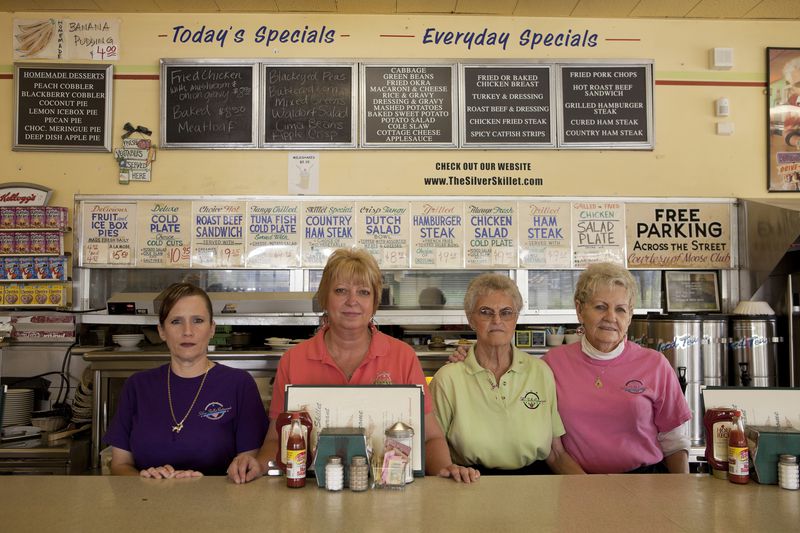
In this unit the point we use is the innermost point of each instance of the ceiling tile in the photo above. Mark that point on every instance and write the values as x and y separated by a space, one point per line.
604 8
775 9
545 8
662 9
722 9
306 6
495 7
426 6
367 6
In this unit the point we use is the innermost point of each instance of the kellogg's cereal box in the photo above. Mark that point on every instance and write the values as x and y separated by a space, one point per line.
55 217
11 296
26 269
52 242
37 216
27 294
58 267
56 294
41 265
37 241
6 217
22 217
22 242
41 293
12 268
6 242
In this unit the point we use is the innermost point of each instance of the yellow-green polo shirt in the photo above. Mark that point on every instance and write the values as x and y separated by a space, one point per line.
505 425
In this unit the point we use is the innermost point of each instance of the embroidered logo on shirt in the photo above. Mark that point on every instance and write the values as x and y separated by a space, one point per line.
214 411
634 386
383 378
531 400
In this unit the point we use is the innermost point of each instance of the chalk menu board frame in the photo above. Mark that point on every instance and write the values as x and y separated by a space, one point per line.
167 64
362 110
353 102
647 144
20 123
500 67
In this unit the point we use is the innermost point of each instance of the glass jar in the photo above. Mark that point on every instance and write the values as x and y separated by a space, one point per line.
359 474
788 474
334 473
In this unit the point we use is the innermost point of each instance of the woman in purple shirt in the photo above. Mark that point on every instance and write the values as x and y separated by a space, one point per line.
189 417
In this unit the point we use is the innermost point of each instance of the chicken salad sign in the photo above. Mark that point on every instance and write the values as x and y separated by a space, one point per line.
690 236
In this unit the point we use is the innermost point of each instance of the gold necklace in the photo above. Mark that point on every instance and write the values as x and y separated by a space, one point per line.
179 425
598 383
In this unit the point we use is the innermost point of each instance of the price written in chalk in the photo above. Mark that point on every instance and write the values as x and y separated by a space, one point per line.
104 52
119 255
394 258
448 257
178 254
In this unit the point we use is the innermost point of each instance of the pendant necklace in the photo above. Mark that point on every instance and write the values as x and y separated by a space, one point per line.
598 383
179 425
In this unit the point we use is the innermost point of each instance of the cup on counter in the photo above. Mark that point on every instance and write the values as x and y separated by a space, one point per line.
554 339
569 338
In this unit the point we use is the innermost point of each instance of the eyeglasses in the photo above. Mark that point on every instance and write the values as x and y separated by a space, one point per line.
506 314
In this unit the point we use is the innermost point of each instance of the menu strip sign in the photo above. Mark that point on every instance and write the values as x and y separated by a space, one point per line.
606 106
63 108
208 103
507 106
309 105
408 105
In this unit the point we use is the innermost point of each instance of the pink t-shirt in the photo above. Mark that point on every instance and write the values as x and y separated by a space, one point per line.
388 362
614 428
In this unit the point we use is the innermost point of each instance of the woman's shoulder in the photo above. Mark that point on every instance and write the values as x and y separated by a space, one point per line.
148 376
231 373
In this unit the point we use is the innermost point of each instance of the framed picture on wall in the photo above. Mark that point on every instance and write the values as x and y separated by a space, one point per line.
691 291
783 127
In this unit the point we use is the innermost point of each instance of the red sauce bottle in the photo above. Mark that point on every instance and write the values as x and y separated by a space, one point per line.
296 455
718 422
738 454
285 419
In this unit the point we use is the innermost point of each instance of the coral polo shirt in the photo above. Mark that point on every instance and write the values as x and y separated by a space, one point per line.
388 362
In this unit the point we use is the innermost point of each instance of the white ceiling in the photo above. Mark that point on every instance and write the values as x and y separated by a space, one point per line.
691 9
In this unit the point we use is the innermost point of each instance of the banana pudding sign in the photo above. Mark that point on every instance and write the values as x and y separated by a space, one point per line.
690 236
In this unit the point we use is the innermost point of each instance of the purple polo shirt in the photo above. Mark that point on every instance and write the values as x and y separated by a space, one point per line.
227 419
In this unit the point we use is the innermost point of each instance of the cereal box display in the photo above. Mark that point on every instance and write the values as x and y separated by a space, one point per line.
37 242
27 294
6 217
6 242
26 270
56 294
55 217
37 214
52 242
41 293
12 268
22 217
12 294
22 242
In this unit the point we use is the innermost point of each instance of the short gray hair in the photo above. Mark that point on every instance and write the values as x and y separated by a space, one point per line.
489 282
605 275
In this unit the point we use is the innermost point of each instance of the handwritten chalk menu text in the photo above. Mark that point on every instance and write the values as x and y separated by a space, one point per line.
164 234
609 105
408 105
437 234
383 232
309 105
507 106
544 235
491 234
218 234
326 227
207 104
598 233
273 235
63 107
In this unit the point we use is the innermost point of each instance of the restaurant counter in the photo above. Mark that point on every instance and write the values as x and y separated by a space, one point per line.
683 502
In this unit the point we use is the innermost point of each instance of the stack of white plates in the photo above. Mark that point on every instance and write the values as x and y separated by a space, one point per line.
128 341
18 407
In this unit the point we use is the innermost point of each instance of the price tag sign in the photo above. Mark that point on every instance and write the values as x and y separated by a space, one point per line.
383 232
109 233
218 234
394 258
164 238
119 254
448 258
491 230
437 234
273 235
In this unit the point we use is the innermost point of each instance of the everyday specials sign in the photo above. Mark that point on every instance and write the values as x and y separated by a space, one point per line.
669 236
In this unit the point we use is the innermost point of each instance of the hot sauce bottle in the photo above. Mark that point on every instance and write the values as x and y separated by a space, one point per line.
738 454
296 455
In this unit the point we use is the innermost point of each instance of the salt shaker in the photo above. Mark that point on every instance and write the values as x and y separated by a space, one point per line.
334 473
788 475
359 473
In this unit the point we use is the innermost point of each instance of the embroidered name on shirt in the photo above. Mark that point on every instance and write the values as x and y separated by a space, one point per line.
214 411
634 386
531 400
383 378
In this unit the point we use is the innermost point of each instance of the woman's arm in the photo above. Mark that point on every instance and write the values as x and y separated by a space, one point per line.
437 455
678 462
560 461
252 464
122 463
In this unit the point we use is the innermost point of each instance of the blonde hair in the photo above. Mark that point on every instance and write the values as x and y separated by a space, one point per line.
354 265
605 275
489 282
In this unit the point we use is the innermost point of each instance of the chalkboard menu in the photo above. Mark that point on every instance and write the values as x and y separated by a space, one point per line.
507 106
309 105
208 103
408 105
63 107
606 106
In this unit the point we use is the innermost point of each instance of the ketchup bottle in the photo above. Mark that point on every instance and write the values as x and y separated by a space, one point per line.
296 455
738 455
285 419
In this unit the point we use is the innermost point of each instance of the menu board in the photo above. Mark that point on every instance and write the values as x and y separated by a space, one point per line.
606 106
491 235
273 235
437 235
63 107
406 105
208 103
507 106
383 232
544 235
326 227
309 105
108 233
598 233
685 236
218 234
164 238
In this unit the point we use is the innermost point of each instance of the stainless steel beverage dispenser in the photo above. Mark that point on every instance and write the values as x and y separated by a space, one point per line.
680 340
714 346
753 351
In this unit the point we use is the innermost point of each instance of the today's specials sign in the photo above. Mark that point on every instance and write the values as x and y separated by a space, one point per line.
402 233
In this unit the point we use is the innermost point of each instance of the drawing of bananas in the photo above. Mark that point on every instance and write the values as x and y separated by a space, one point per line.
33 38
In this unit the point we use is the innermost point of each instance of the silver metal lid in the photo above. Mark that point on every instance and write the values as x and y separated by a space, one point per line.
786 458
400 430
334 460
